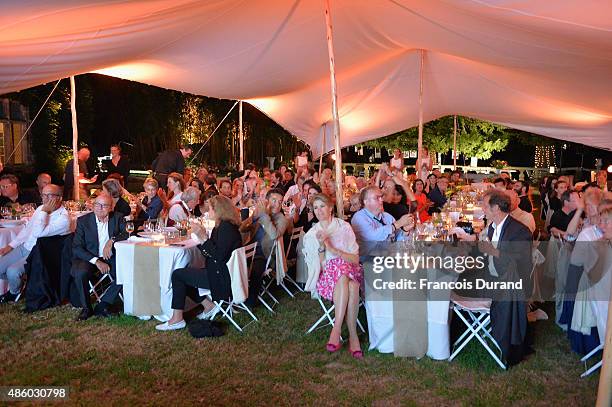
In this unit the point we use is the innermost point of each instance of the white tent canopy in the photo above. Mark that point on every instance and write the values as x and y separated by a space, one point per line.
544 67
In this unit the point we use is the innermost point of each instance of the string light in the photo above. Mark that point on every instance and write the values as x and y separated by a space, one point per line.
544 156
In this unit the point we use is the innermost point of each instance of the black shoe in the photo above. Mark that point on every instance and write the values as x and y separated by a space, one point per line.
101 310
85 314
7 297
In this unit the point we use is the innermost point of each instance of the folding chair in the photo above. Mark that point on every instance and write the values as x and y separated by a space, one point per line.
227 308
585 358
295 237
327 315
476 315
269 277
98 288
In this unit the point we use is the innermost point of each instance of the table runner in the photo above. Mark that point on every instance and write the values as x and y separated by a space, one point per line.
146 275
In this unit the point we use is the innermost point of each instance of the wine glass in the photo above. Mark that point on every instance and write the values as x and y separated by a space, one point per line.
6 212
129 227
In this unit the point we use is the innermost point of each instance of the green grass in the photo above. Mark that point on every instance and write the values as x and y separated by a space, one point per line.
124 361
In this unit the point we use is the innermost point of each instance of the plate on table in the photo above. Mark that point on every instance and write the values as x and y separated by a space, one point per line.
146 234
11 222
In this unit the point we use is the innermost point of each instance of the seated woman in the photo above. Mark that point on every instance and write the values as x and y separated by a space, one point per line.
332 257
420 197
114 189
181 210
151 205
224 239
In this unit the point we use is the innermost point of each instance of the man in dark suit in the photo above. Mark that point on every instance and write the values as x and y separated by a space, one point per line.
508 248
93 251
170 161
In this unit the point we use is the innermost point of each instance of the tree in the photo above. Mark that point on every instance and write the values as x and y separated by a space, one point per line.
475 138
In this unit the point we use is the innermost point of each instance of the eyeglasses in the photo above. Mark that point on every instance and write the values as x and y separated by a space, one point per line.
49 195
7 186
101 206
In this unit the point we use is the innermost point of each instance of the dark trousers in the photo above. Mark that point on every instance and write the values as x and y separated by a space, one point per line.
83 272
185 282
162 180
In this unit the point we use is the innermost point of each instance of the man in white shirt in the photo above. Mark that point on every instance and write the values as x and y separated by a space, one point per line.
92 251
517 213
49 219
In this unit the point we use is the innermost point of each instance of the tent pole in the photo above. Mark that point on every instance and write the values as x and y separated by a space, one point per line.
241 135
75 140
334 94
455 143
420 140
322 148
604 391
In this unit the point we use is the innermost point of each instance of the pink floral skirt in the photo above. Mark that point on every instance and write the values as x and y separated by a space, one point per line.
334 269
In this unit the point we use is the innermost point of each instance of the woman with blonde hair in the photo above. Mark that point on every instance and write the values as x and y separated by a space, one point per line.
153 203
224 239
334 272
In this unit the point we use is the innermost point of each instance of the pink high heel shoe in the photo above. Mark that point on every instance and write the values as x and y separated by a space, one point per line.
331 348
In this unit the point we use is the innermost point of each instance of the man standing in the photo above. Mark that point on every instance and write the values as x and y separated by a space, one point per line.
509 257
82 155
49 219
170 161
93 251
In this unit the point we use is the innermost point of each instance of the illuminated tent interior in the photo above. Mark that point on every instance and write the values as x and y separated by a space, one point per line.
543 67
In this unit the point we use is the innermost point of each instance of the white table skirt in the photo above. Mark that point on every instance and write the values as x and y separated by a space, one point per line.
380 328
6 235
170 259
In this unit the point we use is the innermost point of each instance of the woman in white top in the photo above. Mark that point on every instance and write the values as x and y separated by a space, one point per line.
424 165
332 258
397 161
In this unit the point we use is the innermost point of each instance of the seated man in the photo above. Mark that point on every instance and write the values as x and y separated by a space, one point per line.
9 187
42 181
438 195
517 213
268 222
570 213
49 219
92 251
372 224
522 189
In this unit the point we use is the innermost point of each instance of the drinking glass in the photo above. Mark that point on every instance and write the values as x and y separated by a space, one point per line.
129 227
6 212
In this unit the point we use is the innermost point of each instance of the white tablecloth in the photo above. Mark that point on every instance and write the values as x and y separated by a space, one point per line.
434 315
170 259
6 235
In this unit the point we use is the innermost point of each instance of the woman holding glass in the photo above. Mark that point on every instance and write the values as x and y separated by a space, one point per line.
224 239
334 272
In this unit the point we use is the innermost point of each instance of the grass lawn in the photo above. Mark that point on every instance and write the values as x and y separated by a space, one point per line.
124 361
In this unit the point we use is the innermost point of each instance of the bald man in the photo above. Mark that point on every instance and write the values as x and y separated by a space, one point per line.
517 213
49 219
93 253
42 181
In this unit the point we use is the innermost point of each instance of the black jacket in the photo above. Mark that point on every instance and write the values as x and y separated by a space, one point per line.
224 239
169 161
85 245
508 309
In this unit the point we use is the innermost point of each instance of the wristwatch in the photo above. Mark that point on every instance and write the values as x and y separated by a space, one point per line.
322 249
